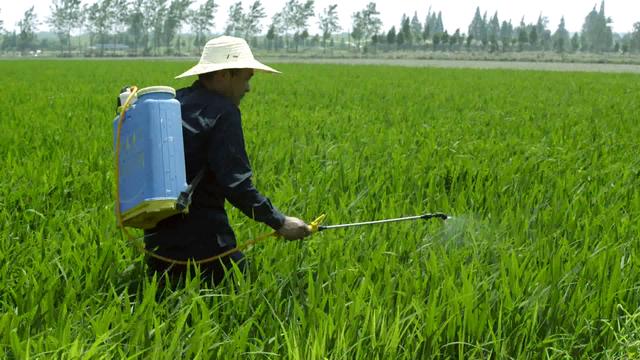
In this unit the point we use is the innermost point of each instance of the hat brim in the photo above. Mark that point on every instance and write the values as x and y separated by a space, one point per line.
245 64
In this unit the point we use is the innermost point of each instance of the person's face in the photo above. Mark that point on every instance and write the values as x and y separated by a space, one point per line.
238 84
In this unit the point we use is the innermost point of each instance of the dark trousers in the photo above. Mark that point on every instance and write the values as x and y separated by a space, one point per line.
193 236
213 271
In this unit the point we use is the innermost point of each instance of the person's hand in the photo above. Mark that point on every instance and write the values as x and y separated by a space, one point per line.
294 229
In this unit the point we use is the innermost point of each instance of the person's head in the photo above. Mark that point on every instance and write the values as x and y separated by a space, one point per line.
226 66
232 83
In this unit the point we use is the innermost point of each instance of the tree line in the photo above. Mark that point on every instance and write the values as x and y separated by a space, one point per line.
157 27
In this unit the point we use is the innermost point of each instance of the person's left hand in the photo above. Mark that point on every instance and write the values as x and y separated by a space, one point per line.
294 229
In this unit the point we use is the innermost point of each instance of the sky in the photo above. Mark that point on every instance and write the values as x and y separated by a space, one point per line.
455 13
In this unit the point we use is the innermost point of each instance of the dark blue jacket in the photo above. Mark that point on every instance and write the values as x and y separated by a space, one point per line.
213 140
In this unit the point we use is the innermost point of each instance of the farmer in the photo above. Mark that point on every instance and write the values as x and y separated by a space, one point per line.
214 146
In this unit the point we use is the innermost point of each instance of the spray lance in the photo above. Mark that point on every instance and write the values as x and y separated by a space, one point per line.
315 225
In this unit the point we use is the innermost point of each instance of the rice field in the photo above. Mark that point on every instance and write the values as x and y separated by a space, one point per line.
540 171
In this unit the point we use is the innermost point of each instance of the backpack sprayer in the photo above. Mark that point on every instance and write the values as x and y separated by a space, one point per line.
150 170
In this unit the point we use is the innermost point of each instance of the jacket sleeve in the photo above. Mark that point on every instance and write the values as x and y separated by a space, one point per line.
227 159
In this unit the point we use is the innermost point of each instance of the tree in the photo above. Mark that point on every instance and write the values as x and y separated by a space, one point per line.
137 28
315 40
455 39
436 40
271 35
357 30
296 15
506 34
328 23
590 31
304 36
416 28
202 20
118 16
87 26
606 34
543 34
596 32
10 41
81 26
234 20
493 32
281 22
575 42
445 39
301 15
2 37
439 26
65 14
391 35
625 48
484 36
523 35
533 36
252 19
28 26
156 12
98 21
400 39
433 25
376 39
468 42
561 37
366 23
405 30
635 37
277 28
173 22
477 28
429 25
462 39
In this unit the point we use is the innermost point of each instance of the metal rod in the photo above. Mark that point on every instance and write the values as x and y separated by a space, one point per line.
375 222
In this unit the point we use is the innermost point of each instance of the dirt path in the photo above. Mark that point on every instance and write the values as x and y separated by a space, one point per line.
518 65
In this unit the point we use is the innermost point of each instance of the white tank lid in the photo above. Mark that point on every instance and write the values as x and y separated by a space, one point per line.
157 89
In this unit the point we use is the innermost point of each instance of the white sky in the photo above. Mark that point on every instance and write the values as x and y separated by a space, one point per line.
455 13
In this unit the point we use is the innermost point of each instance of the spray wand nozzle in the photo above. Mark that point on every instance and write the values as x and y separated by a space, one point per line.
441 216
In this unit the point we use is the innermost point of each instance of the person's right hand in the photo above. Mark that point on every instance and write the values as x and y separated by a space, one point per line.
294 229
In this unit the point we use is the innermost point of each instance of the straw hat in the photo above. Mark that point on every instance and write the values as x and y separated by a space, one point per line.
226 52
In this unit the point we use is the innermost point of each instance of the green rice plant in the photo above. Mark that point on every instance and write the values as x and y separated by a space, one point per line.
539 170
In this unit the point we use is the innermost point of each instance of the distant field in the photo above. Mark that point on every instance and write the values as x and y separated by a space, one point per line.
547 61
474 64
539 169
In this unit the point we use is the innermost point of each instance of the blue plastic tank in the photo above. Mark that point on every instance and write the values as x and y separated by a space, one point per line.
152 171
